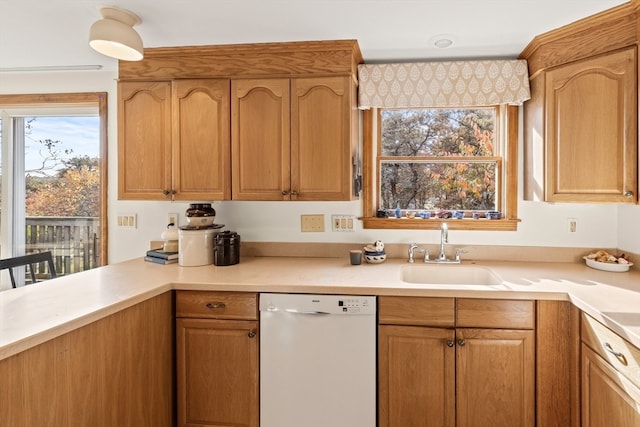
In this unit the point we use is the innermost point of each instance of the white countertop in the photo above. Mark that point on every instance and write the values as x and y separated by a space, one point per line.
36 313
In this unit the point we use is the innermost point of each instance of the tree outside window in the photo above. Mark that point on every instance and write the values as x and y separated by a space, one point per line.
439 159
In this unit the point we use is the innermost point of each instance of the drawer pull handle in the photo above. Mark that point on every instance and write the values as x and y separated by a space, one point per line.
215 305
617 354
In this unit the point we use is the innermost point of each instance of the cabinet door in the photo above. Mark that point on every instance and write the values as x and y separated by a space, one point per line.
217 372
260 139
416 377
201 140
144 140
495 378
591 116
321 138
608 399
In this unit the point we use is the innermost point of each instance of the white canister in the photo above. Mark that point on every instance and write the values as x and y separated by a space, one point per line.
195 246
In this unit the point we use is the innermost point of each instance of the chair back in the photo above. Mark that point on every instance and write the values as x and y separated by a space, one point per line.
30 260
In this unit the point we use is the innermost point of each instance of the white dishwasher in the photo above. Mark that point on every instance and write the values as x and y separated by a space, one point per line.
317 360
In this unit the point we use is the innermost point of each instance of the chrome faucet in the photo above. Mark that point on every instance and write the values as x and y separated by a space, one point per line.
442 256
444 238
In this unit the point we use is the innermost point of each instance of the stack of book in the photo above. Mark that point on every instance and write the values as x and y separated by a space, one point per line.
161 257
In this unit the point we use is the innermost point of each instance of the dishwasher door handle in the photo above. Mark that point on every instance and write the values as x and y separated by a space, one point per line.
274 309
294 311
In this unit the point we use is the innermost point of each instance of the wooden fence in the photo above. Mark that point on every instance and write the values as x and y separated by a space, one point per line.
73 241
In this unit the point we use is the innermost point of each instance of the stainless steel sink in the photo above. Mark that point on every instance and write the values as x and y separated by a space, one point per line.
434 274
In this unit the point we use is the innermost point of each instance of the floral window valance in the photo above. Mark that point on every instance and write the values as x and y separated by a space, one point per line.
443 84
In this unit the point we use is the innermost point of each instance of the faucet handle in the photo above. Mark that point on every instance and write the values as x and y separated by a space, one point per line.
426 255
412 247
460 251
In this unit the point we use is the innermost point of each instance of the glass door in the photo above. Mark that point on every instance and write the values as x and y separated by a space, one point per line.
51 197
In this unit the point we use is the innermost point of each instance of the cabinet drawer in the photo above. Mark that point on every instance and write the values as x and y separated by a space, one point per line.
488 313
218 305
622 355
416 311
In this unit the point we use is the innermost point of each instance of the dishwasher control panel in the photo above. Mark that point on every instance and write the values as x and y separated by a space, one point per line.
353 305
318 304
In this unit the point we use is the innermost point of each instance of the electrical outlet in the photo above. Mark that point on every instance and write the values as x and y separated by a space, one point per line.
172 218
572 225
312 223
343 222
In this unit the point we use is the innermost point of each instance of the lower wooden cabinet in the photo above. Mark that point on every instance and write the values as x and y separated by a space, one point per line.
217 359
494 378
610 377
462 377
416 381
608 399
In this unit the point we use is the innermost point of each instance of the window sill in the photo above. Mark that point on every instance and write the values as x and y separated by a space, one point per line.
434 224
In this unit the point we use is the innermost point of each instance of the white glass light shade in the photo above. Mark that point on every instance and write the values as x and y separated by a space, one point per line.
114 35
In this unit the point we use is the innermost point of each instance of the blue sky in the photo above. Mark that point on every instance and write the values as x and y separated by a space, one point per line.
81 134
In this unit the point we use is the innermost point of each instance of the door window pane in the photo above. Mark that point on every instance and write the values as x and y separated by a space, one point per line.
62 190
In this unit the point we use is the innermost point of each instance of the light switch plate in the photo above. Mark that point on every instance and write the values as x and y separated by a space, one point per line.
312 223
127 220
343 222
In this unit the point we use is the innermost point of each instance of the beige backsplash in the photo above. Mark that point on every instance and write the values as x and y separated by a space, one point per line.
399 250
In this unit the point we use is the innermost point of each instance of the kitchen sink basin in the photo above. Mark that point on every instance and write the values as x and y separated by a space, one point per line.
443 274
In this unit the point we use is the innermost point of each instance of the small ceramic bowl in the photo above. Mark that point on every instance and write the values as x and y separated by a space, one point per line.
375 259
494 215
374 254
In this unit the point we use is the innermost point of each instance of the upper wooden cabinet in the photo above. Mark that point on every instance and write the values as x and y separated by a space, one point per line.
580 126
261 139
144 140
591 138
173 140
292 117
201 147
293 139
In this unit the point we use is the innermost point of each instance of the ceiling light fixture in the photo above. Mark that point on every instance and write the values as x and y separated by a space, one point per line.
114 35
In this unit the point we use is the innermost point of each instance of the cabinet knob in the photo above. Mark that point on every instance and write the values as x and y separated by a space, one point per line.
628 194
450 343
285 192
461 343
252 333
166 192
294 193
215 305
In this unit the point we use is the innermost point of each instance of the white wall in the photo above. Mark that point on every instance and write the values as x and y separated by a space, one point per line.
629 228
542 224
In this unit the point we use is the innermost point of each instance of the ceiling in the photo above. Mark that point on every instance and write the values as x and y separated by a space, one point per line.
36 33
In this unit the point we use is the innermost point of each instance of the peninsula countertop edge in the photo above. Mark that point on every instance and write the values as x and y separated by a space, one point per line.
36 313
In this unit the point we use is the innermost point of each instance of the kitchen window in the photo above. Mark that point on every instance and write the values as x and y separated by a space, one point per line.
441 163
441 137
